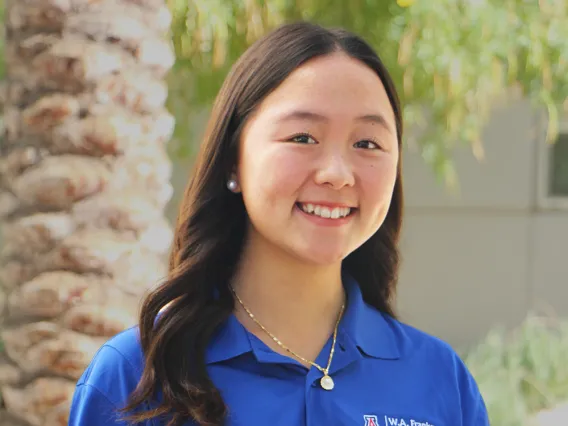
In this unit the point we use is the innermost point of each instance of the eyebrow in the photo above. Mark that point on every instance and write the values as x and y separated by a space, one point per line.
313 116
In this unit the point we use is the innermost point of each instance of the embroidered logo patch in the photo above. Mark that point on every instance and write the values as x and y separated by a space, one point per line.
371 420
399 421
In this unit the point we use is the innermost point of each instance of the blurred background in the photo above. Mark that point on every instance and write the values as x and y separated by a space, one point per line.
104 104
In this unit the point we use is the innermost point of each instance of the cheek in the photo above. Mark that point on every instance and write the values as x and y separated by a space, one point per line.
377 182
273 174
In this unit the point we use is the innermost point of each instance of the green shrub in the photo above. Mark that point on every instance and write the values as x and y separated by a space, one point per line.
522 372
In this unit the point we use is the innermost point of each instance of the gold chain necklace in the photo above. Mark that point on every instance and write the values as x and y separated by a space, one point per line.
326 381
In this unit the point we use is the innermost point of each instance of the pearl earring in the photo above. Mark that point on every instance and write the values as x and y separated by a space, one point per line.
232 185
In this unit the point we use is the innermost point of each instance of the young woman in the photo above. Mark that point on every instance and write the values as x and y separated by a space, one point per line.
279 304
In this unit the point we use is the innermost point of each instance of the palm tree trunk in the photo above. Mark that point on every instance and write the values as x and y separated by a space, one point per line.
84 180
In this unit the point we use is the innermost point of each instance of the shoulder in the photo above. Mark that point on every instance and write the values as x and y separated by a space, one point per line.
116 368
107 383
418 347
443 364
412 341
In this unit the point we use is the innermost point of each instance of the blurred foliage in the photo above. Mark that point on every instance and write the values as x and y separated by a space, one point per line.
453 60
523 372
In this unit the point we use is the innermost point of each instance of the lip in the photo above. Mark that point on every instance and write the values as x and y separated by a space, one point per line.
327 204
328 222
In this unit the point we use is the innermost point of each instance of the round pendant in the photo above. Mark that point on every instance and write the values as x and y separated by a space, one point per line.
327 383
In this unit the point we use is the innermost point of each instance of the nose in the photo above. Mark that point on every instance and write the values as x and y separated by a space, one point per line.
335 171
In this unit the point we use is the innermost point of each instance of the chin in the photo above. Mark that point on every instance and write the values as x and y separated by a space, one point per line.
322 257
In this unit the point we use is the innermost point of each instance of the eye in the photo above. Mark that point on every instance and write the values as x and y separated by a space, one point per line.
303 138
367 144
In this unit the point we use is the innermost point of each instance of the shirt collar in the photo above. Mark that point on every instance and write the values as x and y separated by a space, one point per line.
369 329
229 341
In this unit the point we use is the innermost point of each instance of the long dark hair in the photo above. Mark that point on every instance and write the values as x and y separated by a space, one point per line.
211 227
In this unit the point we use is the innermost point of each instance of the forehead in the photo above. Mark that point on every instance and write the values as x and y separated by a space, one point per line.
334 85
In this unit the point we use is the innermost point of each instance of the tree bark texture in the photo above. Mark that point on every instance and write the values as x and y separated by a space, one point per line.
84 180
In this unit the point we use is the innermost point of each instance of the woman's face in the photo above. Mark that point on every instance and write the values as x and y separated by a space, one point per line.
318 161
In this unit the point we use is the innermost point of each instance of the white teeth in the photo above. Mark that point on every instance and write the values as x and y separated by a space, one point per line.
326 212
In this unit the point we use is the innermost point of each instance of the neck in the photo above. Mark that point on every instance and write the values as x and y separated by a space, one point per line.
297 302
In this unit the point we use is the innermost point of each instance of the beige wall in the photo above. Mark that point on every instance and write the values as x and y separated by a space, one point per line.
487 256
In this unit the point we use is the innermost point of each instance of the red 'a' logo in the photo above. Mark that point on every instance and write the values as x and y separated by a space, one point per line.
371 420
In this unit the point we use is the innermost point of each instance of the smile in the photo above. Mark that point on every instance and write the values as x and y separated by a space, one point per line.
325 211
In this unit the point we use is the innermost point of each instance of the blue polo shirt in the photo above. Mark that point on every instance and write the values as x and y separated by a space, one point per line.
386 373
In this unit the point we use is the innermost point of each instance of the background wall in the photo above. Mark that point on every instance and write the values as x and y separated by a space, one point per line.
491 254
